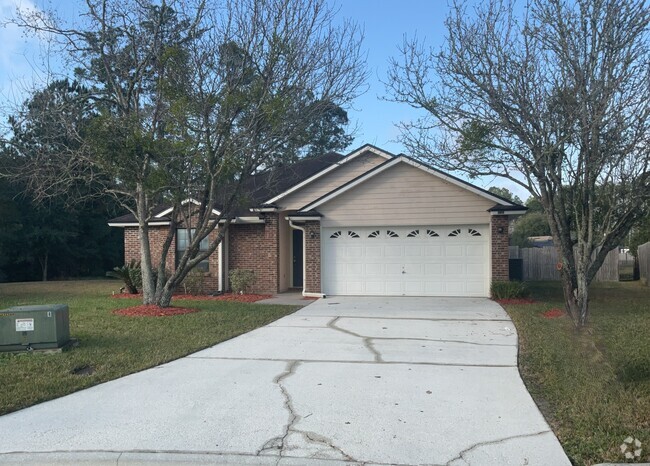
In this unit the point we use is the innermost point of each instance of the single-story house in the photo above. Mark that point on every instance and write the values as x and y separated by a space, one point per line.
367 223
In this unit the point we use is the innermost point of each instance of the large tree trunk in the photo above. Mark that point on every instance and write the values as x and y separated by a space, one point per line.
43 262
575 285
148 285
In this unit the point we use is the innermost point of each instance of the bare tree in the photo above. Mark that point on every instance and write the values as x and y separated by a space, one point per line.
189 99
552 95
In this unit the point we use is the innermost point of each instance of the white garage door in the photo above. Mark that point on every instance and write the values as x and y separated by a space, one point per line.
406 261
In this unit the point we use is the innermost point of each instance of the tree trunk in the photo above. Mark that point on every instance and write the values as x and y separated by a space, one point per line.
43 262
576 292
148 285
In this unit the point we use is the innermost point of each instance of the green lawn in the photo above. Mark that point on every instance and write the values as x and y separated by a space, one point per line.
113 345
593 386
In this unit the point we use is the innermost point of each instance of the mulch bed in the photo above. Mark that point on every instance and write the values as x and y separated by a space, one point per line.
151 310
516 301
553 313
239 298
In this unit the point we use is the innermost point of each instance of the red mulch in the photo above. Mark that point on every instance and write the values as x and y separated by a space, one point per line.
240 298
553 313
516 301
151 310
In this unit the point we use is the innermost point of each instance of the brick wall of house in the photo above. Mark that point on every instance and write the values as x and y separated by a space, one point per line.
157 237
500 255
313 257
256 247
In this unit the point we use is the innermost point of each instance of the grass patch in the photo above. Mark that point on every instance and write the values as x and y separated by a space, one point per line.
593 386
111 346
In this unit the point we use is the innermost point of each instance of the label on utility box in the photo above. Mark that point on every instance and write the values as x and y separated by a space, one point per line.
24 325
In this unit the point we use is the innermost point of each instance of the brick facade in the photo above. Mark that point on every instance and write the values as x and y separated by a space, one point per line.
256 247
157 235
500 255
313 257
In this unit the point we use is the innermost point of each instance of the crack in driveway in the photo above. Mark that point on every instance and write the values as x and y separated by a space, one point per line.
278 444
367 341
461 455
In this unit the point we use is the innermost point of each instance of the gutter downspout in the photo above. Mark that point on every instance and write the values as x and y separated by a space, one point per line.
304 262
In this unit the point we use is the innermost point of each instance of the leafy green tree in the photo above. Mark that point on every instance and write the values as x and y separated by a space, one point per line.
190 99
505 193
531 224
551 95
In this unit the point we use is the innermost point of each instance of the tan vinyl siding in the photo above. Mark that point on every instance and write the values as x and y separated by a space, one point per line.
332 180
405 195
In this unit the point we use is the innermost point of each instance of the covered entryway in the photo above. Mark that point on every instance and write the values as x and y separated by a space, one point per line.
420 260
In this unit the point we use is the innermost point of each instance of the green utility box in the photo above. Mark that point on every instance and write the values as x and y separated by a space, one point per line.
34 327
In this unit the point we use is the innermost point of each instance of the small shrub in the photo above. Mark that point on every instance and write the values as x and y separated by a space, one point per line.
130 274
509 290
241 280
193 282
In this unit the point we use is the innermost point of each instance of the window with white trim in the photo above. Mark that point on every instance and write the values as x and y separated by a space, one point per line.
183 239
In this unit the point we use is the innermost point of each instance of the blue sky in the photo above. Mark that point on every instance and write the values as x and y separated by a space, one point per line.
385 23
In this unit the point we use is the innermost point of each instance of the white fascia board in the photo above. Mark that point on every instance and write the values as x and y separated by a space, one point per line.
508 212
303 218
242 220
395 161
325 171
151 224
186 201
263 209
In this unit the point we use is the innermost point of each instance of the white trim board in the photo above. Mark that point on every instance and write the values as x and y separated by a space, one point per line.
386 165
349 157
186 201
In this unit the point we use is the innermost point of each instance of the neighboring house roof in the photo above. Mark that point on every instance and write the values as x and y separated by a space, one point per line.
541 241
502 204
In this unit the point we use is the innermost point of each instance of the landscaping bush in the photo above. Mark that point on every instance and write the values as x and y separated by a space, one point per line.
130 274
193 282
241 280
509 290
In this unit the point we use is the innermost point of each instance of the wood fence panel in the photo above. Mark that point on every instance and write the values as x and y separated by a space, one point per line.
541 264
608 272
644 263
513 252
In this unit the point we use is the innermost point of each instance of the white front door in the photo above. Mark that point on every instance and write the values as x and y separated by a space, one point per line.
406 261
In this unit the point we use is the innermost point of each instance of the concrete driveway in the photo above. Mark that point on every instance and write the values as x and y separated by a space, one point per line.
361 380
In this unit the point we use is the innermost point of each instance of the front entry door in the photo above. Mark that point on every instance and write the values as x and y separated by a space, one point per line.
297 258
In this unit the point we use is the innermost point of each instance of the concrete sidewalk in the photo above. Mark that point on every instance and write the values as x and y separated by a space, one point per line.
343 380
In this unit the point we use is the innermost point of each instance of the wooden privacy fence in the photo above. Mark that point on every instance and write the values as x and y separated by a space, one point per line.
644 263
541 264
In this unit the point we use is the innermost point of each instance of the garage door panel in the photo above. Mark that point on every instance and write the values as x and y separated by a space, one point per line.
433 251
406 261
454 250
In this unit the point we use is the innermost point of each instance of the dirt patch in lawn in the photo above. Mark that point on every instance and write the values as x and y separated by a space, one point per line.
553 313
151 310
239 298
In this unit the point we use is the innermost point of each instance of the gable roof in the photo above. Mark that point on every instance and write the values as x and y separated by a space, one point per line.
316 175
502 204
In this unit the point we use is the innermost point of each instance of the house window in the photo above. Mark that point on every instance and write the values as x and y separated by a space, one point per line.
183 239
391 234
352 234
413 234
336 234
374 234
432 234
456 232
473 232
